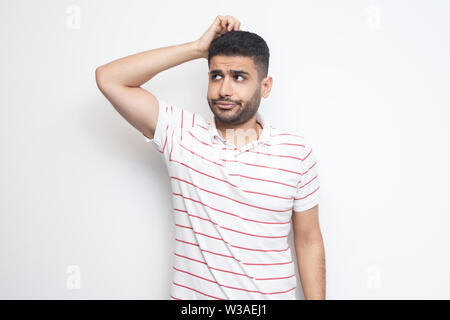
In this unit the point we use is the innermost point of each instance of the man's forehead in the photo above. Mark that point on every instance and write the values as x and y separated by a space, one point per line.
233 62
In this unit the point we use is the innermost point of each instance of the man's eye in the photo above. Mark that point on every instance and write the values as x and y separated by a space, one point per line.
215 75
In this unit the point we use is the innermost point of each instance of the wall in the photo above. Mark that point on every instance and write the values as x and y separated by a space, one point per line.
85 208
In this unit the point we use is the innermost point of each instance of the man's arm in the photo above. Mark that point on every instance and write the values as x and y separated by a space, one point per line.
310 252
120 80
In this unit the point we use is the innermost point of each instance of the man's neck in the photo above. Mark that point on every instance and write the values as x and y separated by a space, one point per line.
242 134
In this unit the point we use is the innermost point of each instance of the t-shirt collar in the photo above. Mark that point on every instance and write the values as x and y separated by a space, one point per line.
263 138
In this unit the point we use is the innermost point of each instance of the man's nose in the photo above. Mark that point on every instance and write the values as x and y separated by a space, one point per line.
226 87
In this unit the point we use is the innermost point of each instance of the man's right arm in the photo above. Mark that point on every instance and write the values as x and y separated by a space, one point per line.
120 82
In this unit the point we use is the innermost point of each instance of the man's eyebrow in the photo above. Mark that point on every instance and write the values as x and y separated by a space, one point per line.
218 71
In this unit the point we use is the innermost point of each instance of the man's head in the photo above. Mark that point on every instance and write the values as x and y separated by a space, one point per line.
247 53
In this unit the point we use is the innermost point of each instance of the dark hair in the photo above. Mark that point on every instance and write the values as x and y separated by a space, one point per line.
242 43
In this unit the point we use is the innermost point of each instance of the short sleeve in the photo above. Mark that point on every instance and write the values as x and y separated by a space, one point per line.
169 118
307 193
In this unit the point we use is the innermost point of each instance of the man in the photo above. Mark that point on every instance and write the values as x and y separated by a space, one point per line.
238 182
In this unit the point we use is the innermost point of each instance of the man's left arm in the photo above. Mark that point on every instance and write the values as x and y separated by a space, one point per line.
310 252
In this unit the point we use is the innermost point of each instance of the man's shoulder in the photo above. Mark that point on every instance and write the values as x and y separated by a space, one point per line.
286 135
292 141
183 113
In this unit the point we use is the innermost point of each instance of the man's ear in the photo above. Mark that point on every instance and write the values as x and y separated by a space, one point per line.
266 86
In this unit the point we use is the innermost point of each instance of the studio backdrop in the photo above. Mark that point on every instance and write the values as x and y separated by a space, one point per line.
85 201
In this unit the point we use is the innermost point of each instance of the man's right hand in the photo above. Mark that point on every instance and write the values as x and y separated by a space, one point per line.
220 26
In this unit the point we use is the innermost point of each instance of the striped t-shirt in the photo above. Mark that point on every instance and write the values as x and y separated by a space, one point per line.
232 206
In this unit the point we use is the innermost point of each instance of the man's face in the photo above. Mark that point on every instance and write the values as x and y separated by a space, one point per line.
234 80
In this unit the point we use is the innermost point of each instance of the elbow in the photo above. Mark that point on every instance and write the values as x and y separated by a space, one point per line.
102 78
99 75
309 238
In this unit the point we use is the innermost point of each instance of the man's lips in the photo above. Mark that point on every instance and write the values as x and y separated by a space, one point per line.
225 105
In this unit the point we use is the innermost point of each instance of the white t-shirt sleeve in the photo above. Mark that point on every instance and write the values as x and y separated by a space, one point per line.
160 135
307 194
172 120
164 126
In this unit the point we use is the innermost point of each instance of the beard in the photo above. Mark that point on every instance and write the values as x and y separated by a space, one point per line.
241 113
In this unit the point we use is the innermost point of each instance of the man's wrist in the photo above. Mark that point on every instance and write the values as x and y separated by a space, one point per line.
198 53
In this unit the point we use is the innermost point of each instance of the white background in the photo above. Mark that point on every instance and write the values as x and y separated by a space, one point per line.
85 201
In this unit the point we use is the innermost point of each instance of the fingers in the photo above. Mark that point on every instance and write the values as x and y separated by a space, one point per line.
228 23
